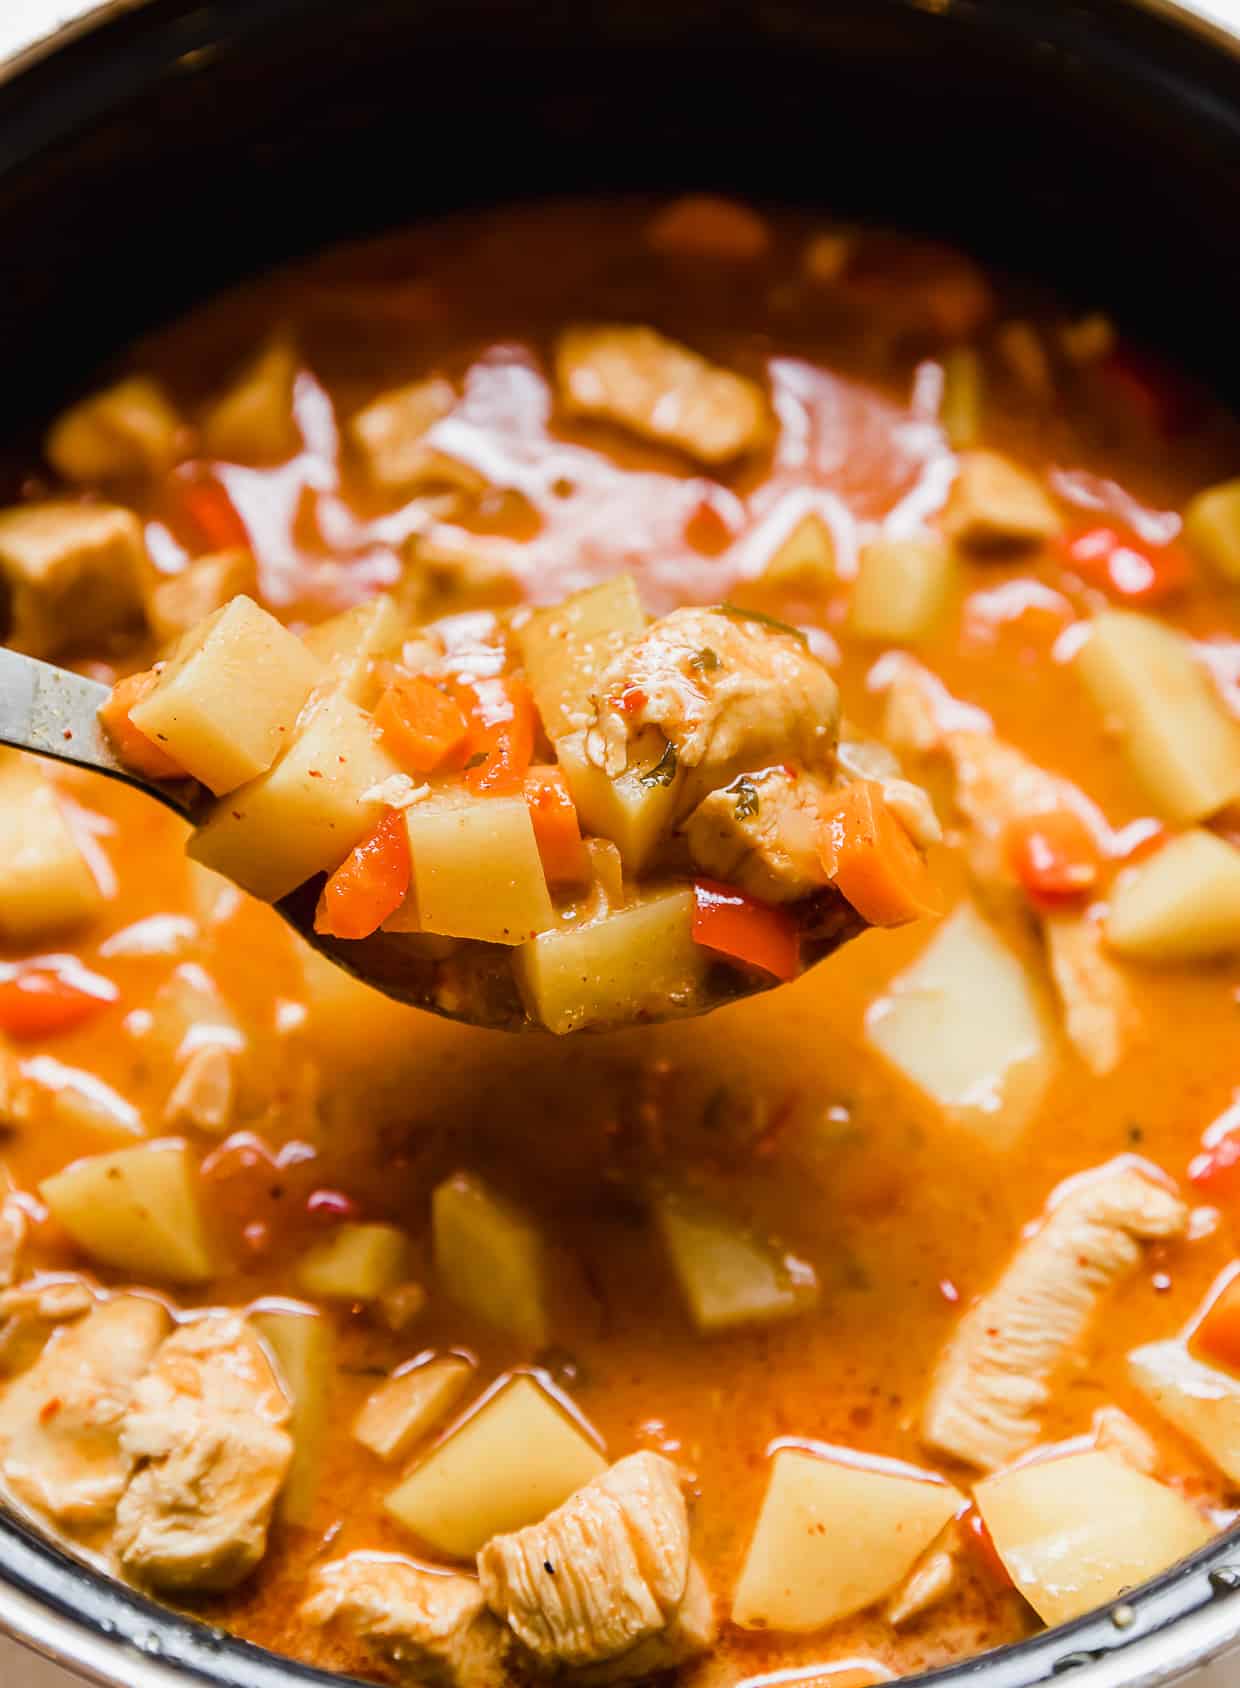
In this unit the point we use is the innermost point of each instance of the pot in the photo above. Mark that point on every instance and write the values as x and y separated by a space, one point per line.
153 151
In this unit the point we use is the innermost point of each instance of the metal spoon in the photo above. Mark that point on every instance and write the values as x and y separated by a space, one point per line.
54 712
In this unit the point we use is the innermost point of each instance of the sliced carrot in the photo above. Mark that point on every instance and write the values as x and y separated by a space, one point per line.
738 925
978 1539
422 726
871 859
500 745
1055 856
556 827
208 507
1217 1337
40 1001
371 883
1125 566
135 749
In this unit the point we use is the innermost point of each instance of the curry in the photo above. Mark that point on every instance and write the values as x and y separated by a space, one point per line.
849 1330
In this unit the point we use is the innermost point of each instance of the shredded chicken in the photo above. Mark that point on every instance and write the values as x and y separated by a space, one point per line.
994 505
603 1574
61 1422
661 390
435 1627
208 1430
931 1580
995 1375
1100 1011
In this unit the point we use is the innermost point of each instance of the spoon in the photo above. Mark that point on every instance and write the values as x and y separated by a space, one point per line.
54 712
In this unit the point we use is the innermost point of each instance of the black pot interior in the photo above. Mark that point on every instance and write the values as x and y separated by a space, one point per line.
184 145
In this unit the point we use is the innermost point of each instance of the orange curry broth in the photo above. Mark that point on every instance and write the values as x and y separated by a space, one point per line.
777 1105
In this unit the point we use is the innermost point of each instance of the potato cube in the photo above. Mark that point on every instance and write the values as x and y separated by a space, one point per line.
491 1258
635 810
995 505
304 816
805 558
404 1410
960 412
389 433
47 885
303 1347
227 701
253 421
356 1263
511 1463
1199 1401
348 643
565 648
203 586
835 1533
128 430
902 588
1181 743
477 872
1180 904
727 1276
72 573
611 969
1212 528
1076 1532
137 1210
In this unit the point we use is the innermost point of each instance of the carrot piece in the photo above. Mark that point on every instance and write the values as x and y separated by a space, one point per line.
500 745
40 1001
1124 565
135 749
871 859
421 726
208 507
557 830
703 225
1216 1170
979 1541
1055 856
1217 1337
371 883
738 925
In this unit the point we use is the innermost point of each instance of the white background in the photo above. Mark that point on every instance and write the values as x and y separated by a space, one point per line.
24 21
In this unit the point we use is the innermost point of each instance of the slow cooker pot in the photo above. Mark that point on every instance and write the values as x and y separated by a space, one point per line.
152 151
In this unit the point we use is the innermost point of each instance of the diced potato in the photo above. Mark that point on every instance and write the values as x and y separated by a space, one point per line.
356 1263
128 430
47 885
634 810
806 558
490 1257
72 572
1176 733
902 588
960 411
404 1410
565 648
203 586
966 1025
307 813
253 421
303 1347
388 434
137 1210
347 644
1076 1532
996 505
835 1534
477 872
1212 528
511 1463
1180 904
613 969
727 1276
227 701
1201 1402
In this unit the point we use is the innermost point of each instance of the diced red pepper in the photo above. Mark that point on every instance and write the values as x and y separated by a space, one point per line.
1217 1337
706 530
207 506
1216 1170
40 1000
1122 564
1055 856
1152 390
371 883
738 925
556 827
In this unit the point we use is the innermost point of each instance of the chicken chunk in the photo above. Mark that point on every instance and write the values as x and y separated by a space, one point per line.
763 832
996 1373
661 390
208 1430
206 584
13 1228
605 1573
71 572
1100 1011
128 430
61 1422
996 506
50 1301
931 1580
205 1093
729 694
434 1626
1116 1433
253 420
389 434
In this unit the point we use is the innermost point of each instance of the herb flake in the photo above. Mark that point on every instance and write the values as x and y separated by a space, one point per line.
705 661
664 770
739 614
747 805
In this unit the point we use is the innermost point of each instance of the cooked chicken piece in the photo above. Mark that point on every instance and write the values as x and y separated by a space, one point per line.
995 506
51 1301
603 1574
994 786
693 1630
181 601
208 1430
729 694
61 1421
205 1093
661 390
763 832
131 429
13 1228
71 572
253 421
434 1626
932 1579
1100 1012
996 1373
389 434
1116 1433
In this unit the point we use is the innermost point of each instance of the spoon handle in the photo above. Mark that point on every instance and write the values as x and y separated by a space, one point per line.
54 712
